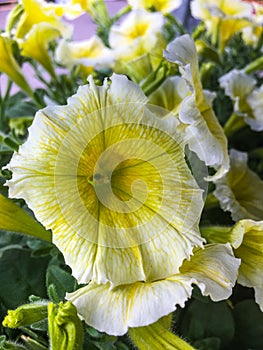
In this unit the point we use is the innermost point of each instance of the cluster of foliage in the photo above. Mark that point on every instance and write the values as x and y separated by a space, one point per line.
209 85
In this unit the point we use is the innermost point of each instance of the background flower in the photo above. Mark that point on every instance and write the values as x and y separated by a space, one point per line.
163 6
241 88
87 54
234 190
205 135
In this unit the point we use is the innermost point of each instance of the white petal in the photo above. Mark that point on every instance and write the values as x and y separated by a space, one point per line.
114 310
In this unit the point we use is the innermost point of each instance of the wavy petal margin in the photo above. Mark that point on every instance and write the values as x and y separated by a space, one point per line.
206 136
114 310
234 190
246 237
251 254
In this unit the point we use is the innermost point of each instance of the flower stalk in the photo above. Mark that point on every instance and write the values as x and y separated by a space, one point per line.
156 336
234 124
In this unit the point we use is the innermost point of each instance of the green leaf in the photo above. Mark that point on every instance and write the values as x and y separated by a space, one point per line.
208 320
15 219
208 344
61 279
249 326
21 276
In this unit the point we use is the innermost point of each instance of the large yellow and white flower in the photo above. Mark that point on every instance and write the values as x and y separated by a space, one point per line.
240 191
114 309
87 54
248 100
205 135
222 18
163 6
110 180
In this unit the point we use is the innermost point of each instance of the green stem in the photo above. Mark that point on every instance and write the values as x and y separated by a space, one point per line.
233 124
211 201
155 337
198 31
121 13
174 21
257 153
3 101
254 66
8 89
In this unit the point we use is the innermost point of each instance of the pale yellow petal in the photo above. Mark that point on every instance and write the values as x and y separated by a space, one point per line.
251 254
235 191
170 94
114 310
35 44
206 136
214 269
87 54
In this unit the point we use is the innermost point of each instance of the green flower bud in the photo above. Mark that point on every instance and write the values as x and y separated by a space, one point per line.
25 315
64 327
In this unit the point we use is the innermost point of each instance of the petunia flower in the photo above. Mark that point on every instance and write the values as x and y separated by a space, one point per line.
36 42
248 100
170 94
114 309
138 42
163 6
9 65
240 191
88 54
110 180
38 11
222 19
246 237
205 135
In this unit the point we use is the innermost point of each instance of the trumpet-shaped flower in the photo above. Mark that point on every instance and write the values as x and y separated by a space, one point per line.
248 100
113 310
246 237
222 18
9 65
205 135
38 11
240 191
110 180
170 94
163 6
88 54
138 37
35 44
